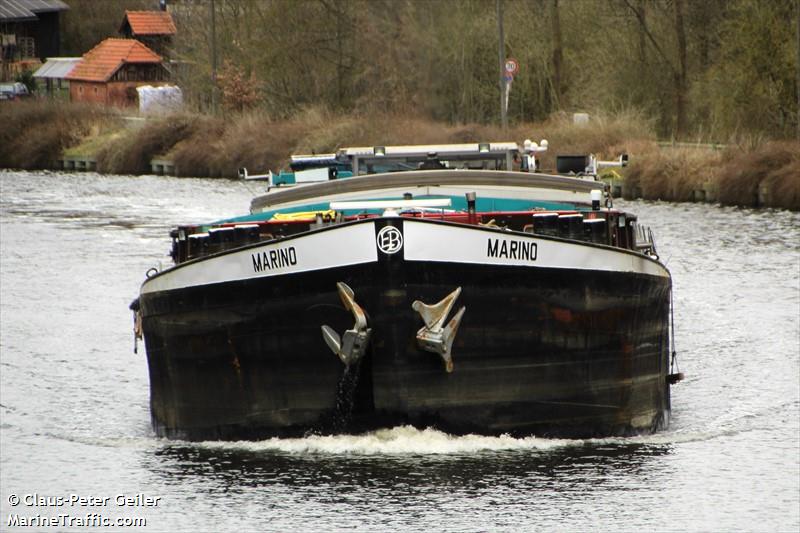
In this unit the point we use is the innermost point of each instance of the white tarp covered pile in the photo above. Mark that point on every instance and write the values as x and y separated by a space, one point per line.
158 100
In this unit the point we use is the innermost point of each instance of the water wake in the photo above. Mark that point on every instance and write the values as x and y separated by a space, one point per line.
401 440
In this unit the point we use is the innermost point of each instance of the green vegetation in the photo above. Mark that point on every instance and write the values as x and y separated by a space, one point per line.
766 174
313 75
35 133
763 173
710 70
26 77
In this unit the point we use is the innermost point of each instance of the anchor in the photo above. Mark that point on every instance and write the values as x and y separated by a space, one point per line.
433 337
137 324
351 346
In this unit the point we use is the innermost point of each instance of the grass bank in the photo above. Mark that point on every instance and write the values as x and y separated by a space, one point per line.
36 133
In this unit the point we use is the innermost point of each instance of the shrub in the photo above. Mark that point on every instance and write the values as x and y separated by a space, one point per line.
670 173
774 163
131 153
26 77
35 133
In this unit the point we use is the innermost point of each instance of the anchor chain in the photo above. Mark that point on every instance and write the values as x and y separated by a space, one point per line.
137 324
351 346
675 374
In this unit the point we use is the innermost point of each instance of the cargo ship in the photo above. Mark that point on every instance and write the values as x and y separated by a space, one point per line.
447 286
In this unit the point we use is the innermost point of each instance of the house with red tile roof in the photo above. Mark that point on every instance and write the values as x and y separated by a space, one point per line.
110 72
154 29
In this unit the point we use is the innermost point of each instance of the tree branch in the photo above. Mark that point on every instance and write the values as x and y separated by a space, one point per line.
650 36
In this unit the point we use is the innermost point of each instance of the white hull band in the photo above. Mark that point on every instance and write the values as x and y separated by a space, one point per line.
413 240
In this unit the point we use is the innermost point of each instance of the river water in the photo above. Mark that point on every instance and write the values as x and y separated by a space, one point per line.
74 415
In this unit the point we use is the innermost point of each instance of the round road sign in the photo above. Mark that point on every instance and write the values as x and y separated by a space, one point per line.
512 66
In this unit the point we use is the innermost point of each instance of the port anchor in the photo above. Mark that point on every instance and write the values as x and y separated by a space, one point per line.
351 346
433 337
672 379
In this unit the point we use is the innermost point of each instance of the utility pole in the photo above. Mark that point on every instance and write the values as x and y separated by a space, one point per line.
213 58
502 64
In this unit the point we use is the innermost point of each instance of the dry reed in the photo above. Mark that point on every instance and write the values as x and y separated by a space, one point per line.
748 173
131 154
35 133
775 165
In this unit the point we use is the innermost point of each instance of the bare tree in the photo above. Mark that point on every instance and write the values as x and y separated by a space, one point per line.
678 70
558 55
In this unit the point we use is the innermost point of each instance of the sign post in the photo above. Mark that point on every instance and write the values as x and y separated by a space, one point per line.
501 49
511 68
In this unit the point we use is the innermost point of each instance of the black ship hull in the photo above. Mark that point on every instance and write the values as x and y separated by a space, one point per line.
548 345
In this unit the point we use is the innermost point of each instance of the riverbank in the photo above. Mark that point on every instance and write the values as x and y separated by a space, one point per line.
47 135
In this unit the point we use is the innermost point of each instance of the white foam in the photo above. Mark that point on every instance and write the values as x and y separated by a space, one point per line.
401 440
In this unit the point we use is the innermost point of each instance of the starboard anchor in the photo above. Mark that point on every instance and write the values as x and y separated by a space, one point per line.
351 346
433 337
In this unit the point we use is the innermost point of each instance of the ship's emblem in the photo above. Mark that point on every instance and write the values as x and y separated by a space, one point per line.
389 240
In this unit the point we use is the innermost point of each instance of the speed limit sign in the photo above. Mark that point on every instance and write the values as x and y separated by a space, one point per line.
512 66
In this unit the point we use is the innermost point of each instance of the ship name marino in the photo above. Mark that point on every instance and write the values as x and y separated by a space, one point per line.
274 259
511 249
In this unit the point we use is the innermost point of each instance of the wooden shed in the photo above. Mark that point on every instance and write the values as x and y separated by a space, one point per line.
110 72
52 76
29 32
